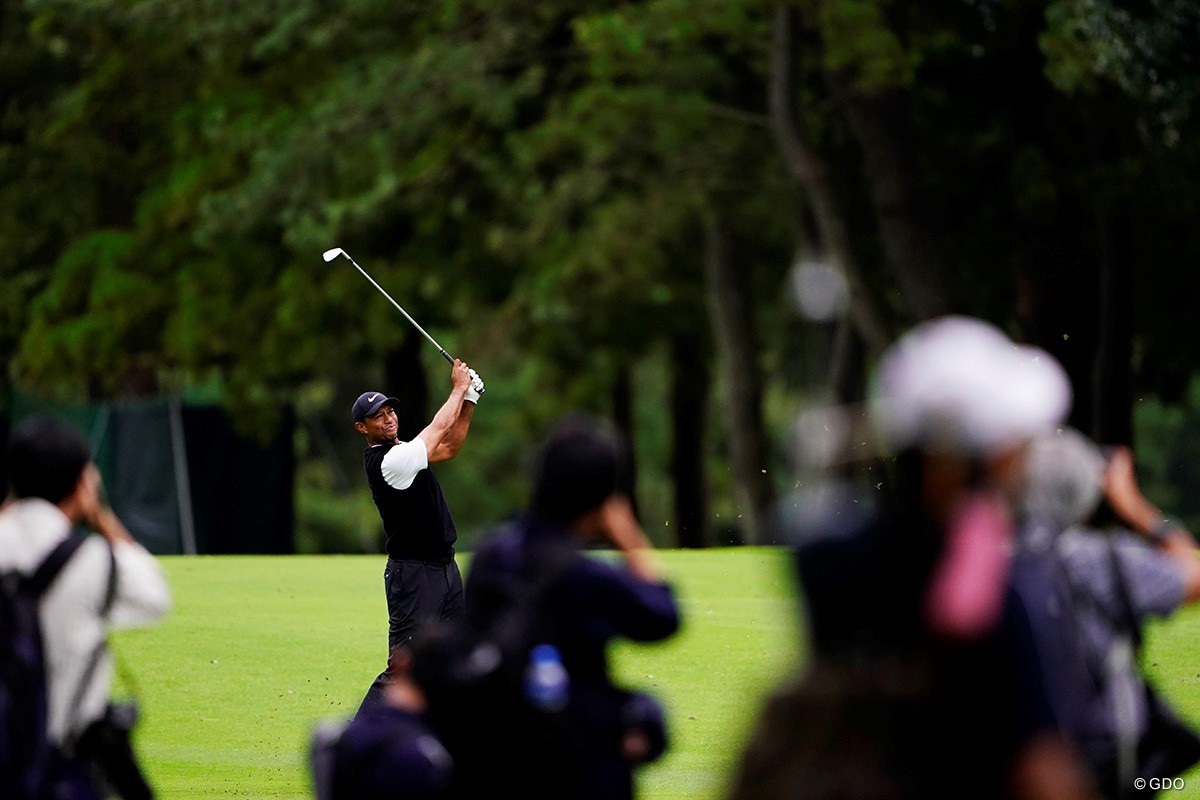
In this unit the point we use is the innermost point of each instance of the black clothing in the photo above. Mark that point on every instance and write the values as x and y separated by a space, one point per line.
416 520
387 753
587 604
421 579
886 707
418 593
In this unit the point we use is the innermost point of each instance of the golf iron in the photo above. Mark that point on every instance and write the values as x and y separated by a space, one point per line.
331 254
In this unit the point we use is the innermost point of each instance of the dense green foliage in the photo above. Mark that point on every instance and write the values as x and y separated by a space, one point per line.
542 185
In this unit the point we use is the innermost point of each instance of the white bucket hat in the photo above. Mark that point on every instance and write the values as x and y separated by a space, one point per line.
959 384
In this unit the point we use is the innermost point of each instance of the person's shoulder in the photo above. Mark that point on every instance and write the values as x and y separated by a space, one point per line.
1130 545
1090 556
1091 547
501 541
385 720
398 742
519 544
94 556
373 454
1083 542
29 530
1144 561
1084 553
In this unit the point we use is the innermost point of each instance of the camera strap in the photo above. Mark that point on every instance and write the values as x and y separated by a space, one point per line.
85 681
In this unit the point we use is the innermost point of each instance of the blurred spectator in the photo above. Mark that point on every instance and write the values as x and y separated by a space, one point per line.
1112 582
109 582
922 679
387 750
531 583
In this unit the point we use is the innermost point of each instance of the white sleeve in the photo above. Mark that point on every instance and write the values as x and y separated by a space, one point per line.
142 593
402 463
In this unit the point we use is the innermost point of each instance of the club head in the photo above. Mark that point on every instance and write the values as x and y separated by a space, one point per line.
330 255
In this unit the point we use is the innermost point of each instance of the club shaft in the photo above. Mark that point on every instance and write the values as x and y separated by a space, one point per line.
400 308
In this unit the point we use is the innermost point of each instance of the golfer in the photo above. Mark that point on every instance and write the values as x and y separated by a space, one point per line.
421 580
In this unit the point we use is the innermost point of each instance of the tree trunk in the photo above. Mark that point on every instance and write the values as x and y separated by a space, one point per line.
1077 268
847 374
880 124
1112 378
405 376
809 170
5 424
690 385
622 410
728 290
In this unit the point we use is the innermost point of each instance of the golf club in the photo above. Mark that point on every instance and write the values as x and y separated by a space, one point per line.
332 253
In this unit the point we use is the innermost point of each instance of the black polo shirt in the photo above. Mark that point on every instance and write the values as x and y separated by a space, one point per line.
416 520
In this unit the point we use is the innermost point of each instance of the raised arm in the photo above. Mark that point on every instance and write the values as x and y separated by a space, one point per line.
622 530
453 441
1126 498
142 595
442 429
641 606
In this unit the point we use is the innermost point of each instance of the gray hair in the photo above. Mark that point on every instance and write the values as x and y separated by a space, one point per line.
1063 479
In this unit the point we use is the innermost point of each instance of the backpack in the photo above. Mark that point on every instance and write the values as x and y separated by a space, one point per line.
26 754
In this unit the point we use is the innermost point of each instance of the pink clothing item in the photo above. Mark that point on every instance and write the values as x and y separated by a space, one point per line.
966 594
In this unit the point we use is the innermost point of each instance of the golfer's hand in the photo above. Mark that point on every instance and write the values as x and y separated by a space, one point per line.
476 383
460 375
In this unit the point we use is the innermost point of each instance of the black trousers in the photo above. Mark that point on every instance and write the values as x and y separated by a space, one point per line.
418 593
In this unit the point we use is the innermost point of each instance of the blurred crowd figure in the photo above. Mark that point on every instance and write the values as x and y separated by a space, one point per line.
967 636
974 614
1115 561
518 699
103 582
389 749
922 680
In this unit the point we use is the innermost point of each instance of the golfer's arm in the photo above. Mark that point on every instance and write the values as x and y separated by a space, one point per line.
443 422
453 440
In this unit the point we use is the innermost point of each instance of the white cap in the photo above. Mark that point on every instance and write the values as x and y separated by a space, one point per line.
960 384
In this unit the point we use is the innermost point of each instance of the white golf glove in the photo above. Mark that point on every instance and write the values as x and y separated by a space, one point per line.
476 388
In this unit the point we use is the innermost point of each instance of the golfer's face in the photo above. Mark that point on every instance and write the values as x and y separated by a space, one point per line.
381 426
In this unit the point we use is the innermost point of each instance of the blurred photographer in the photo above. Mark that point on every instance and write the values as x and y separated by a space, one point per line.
922 680
547 613
388 749
1113 579
109 582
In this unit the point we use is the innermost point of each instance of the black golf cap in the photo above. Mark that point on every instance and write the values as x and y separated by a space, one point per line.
370 402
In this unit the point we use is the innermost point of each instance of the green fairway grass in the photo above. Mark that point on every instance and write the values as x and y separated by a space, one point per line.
258 649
